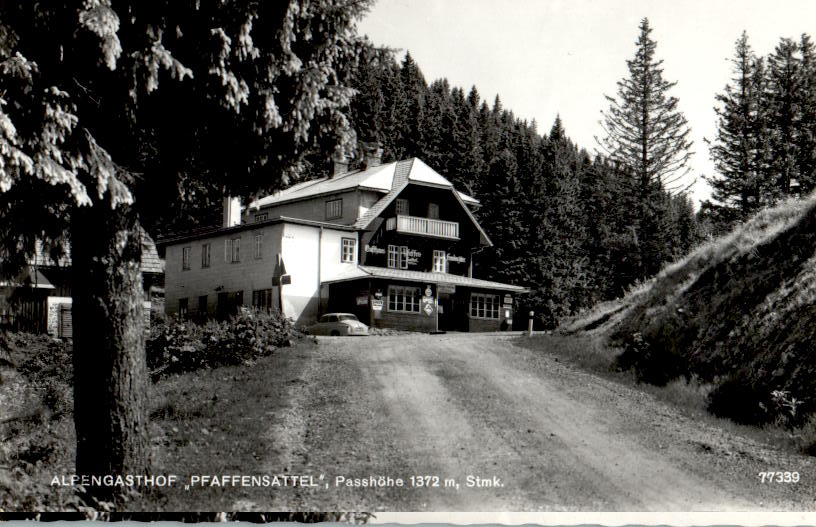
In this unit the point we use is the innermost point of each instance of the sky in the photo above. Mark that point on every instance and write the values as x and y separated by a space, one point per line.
560 57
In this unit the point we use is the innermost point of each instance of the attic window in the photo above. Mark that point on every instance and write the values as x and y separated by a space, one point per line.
334 209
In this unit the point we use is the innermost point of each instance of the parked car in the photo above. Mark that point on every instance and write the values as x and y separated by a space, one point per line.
336 324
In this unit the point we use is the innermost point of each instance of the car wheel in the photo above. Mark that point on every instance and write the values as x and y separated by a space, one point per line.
335 333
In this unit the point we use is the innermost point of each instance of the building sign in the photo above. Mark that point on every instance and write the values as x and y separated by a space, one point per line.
374 250
377 304
362 300
508 299
446 288
456 259
428 300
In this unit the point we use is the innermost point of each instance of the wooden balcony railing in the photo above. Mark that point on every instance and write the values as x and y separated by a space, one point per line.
424 227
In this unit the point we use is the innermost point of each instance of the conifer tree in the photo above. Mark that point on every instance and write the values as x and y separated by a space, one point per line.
742 185
644 129
101 103
807 105
412 108
648 138
785 85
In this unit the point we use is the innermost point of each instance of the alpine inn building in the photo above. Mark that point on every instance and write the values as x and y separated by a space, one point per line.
392 243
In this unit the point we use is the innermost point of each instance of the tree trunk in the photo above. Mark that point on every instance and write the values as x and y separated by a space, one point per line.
110 375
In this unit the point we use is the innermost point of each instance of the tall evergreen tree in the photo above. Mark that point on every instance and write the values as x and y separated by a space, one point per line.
785 85
412 108
644 129
648 136
103 103
742 185
807 105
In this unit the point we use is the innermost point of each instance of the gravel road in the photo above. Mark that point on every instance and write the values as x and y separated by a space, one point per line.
528 433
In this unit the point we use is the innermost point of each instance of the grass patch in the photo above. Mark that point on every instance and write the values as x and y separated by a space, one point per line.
208 421
215 421
590 353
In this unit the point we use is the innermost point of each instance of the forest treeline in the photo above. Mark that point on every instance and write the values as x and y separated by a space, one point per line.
579 226
563 222
765 147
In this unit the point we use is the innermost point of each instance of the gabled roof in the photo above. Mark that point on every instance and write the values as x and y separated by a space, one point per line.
415 171
381 178
389 179
377 178
151 262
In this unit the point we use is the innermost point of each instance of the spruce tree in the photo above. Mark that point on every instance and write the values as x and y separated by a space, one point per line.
807 105
737 151
647 138
644 129
784 73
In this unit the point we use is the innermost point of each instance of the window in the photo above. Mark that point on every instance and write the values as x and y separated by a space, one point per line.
182 308
334 209
402 207
258 245
262 299
484 306
261 217
397 257
433 211
403 299
205 255
439 262
232 250
202 306
349 252
393 257
185 258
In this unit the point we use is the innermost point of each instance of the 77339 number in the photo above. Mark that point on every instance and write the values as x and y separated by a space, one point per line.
779 477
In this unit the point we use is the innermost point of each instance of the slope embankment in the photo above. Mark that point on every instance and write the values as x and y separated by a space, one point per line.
738 313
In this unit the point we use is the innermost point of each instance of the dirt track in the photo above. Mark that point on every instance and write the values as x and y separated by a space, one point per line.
556 438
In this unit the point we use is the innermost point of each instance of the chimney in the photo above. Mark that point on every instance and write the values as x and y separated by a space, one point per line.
373 154
340 164
232 211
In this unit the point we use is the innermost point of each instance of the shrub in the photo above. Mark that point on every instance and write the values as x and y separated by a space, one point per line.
653 360
177 346
738 398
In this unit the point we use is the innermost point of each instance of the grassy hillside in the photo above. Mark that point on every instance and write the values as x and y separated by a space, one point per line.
738 313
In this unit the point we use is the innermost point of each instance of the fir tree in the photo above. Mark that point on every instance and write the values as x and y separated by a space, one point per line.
644 129
785 84
737 151
807 106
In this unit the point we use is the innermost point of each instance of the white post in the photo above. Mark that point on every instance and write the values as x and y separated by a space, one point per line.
530 325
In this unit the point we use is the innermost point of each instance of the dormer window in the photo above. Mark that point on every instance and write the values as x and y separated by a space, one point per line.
334 209
402 207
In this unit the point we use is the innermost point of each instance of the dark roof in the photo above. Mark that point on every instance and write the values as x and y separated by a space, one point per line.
364 271
221 231
151 263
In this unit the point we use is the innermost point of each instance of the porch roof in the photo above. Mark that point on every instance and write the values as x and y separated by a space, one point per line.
364 271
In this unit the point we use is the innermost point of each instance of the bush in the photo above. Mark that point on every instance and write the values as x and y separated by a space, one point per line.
176 346
653 360
738 399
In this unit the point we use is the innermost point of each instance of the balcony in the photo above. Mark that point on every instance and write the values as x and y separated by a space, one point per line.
448 230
